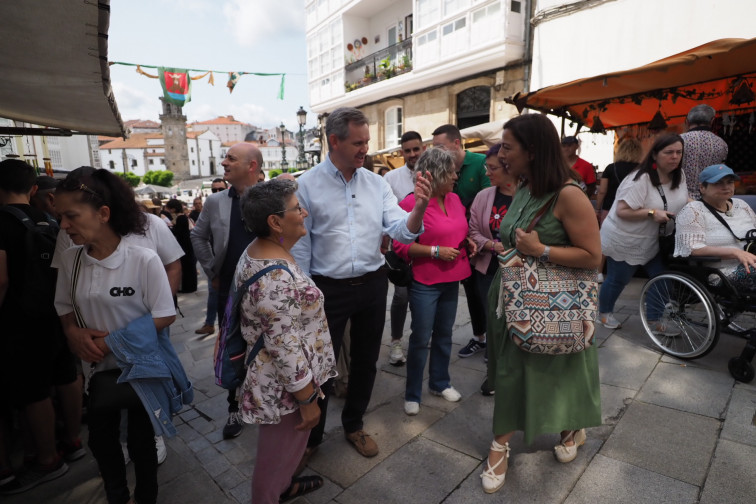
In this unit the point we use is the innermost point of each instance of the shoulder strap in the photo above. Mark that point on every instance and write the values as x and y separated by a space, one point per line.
720 219
543 209
239 294
74 282
18 214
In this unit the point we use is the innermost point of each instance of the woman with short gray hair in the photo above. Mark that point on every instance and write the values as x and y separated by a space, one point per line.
285 308
439 261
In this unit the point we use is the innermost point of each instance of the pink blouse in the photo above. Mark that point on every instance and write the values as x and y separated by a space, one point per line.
444 229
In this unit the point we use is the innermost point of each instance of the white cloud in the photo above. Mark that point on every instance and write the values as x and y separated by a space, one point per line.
134 103
253 23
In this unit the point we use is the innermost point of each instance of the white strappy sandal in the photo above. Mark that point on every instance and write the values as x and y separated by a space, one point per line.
564 453
492 481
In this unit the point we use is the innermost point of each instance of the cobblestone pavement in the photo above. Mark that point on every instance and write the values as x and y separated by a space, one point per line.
673 431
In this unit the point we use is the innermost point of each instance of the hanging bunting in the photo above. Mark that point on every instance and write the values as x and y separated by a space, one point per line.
182 94
177 86
233 80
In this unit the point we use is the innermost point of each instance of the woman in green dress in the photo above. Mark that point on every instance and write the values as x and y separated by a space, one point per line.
539 393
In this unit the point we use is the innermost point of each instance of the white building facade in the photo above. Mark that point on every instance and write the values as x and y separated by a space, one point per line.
143 152
416 64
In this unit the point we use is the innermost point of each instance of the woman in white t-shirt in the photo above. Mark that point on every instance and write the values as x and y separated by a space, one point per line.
644 209
114 284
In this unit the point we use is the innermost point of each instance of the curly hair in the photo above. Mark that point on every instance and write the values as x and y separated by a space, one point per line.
439 163
99 188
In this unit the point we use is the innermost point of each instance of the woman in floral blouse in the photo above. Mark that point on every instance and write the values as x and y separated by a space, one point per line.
285 308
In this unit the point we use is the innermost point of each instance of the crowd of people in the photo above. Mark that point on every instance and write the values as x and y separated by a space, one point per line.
305 260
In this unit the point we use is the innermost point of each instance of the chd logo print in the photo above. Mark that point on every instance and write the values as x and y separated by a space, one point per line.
122 291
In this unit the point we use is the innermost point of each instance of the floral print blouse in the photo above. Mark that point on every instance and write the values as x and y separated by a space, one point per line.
288 311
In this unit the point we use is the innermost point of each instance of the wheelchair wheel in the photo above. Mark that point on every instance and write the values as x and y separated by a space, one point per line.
741 369
679 315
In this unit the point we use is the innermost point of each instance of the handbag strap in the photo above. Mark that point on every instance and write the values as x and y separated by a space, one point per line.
663 226
721 219
74 282
542 211
237 299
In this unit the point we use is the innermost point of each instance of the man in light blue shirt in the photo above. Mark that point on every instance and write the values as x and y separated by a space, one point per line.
350 209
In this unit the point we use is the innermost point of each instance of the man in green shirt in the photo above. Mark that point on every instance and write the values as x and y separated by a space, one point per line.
471 167
472 178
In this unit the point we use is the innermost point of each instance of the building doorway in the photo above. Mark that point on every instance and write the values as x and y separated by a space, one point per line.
473 106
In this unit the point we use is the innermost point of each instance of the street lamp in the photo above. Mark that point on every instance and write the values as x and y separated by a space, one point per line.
284 164
301 119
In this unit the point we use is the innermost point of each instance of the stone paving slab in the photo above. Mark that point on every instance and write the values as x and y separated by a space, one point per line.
625 365
669 442
731 477
687 388
421 472
609 480
740 424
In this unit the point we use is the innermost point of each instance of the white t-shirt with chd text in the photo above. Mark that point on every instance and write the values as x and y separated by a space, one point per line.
114 291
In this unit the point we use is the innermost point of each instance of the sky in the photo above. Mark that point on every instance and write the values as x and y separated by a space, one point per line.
226 35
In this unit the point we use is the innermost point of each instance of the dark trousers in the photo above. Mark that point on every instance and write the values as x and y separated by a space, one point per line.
104 441
365 306
233 404
475 304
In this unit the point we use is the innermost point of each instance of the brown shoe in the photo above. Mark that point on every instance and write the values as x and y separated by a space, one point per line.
205 329
363 443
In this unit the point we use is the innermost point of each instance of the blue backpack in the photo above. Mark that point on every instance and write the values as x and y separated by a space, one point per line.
230 364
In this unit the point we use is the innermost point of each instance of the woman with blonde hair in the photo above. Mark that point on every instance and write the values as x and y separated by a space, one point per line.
626 159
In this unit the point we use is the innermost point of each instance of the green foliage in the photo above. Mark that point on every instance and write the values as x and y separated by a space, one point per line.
130 178
162 178
274 173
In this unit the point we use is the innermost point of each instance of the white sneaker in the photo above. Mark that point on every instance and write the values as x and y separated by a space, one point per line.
449 393
396 356
668 330
411 408
162 453
607 320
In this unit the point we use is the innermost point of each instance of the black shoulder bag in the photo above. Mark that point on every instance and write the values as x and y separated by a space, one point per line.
750 237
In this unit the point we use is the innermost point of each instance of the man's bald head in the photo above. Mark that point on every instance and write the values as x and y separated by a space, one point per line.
242 165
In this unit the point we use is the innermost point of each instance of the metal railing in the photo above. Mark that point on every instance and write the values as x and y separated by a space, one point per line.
382 64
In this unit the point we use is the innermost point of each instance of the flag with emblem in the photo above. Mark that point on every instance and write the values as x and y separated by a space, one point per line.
177 86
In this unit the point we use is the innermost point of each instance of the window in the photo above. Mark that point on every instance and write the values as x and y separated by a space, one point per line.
427 48
487 25
454 36
393 132
162 162
428 12
516 6
133 163
192 150
454 6
111 165
152 161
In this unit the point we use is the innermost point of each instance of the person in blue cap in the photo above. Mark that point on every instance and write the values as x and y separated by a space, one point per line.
717 224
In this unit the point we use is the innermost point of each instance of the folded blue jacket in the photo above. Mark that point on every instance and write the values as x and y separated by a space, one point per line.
150 364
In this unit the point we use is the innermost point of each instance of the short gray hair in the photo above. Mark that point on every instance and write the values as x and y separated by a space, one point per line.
701 115
338 122
264 199
439 163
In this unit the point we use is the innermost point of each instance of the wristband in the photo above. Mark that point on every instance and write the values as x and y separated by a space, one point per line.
438 251
311 399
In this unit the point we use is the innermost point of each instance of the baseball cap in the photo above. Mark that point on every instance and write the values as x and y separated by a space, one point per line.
569 140
45 183
714 173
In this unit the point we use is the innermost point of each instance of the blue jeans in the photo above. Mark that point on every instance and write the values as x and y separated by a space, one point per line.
433 308
212 304
618 275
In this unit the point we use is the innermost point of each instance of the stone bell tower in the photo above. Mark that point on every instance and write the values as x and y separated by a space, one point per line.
173 123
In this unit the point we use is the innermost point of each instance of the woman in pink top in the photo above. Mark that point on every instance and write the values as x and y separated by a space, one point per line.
439 261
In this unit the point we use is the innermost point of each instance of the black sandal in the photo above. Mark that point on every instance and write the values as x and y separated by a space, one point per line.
300 486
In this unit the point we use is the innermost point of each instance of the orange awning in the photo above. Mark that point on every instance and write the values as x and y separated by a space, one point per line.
710 74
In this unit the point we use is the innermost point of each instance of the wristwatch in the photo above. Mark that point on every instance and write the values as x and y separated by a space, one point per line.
545 255
651 213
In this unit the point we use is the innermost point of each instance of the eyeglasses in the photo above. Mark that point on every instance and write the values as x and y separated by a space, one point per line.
217 189
298 208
